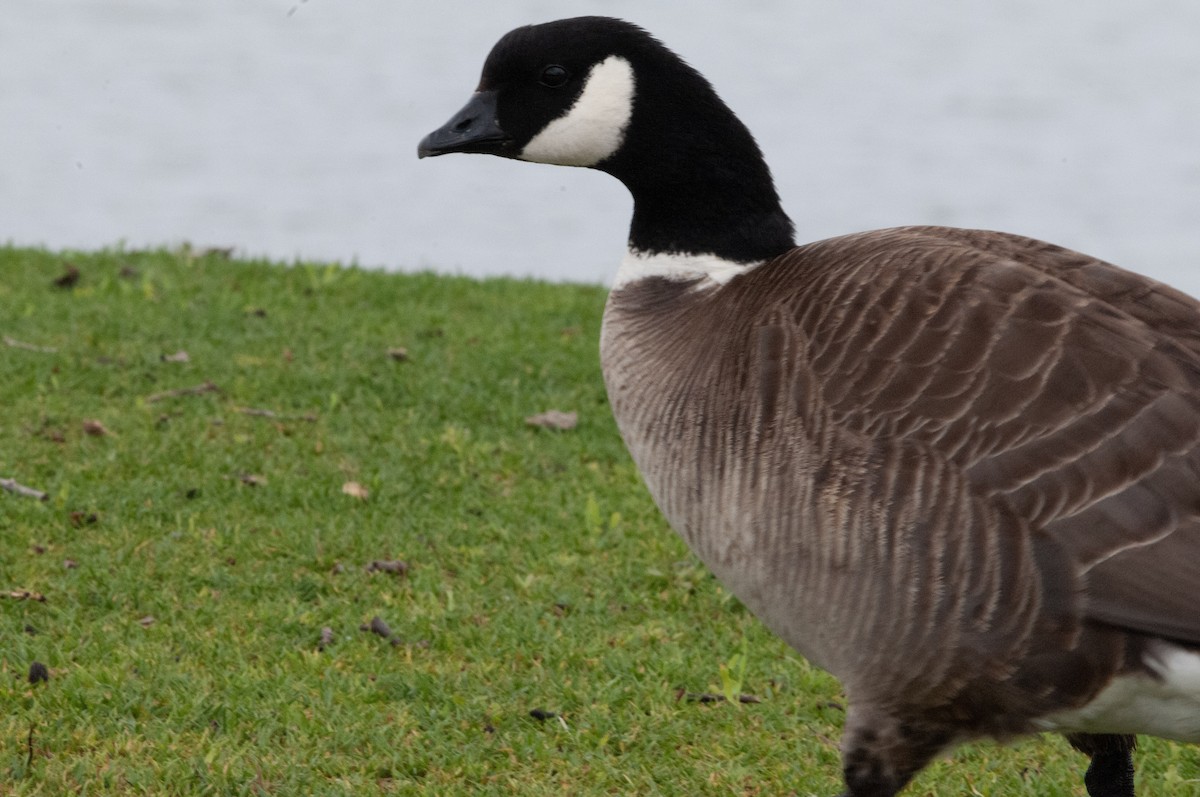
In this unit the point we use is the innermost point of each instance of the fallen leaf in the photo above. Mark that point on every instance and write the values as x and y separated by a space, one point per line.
147 621
95 428
393 566
38 673
180 356
377 626
69 277
326 638
356 490
554 419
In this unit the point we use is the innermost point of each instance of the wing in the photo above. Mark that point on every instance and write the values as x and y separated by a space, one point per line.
1065 389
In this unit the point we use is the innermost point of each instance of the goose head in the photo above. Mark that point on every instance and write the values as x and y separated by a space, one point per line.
603 93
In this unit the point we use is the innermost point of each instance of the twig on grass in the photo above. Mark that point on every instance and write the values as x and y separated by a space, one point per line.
309 416
709 697
17 344
13 487
207 387
24 595
554 419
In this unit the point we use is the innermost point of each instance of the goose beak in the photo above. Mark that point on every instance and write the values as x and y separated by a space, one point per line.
473 129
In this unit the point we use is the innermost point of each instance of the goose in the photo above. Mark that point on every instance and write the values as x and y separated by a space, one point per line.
958 469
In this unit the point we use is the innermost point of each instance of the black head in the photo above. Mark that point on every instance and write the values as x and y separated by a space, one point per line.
601 92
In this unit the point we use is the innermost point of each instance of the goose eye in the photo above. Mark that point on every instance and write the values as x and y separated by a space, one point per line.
553 76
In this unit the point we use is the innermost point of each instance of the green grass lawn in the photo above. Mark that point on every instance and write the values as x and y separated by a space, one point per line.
194 544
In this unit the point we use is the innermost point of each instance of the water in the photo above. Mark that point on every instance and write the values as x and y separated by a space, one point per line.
288 129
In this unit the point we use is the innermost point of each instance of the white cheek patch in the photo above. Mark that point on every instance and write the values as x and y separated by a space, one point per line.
594 127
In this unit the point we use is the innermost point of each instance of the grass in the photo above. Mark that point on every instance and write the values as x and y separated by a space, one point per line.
190 554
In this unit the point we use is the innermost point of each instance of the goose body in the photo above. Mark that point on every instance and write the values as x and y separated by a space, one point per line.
958 469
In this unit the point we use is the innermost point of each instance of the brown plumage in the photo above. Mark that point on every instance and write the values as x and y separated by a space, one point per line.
966 451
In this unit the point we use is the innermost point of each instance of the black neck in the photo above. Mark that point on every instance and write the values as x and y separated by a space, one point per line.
699 182
707 213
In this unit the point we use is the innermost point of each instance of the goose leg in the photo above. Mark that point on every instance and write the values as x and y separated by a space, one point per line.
1110 773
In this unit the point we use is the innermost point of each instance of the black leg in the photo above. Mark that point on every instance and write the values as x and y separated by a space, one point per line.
1110 773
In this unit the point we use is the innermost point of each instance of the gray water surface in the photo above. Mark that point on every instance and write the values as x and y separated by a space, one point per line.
289 129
